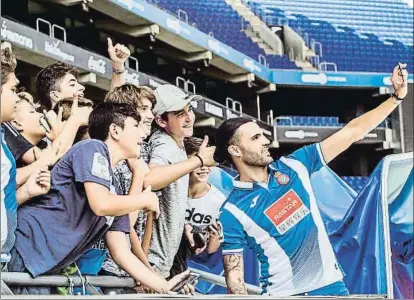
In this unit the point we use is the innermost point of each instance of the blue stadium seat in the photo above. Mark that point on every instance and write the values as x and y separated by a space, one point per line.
368 36
218 17
356 182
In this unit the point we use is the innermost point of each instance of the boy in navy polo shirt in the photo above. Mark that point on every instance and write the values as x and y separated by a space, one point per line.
56 229
273 207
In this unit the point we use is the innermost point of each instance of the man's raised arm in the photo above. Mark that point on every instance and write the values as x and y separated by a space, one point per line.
234 274
359 127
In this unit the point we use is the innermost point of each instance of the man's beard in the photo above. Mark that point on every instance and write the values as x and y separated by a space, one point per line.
255 159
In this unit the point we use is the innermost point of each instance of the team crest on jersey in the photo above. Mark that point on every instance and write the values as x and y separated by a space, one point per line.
281 178
287 211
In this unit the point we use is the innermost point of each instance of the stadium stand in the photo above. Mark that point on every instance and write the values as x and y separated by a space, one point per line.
356 182
358 36
216 17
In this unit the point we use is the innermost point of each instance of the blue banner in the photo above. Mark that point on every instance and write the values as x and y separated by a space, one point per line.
340 79
377 223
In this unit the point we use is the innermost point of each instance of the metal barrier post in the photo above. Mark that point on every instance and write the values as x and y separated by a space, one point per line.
61 28
182 12
40 20
136 63
325 64
190 83
179 80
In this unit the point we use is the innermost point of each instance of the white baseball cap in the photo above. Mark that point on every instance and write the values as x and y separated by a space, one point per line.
171 98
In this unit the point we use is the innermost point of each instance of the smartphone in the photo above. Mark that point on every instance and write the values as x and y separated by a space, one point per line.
190 279
45 124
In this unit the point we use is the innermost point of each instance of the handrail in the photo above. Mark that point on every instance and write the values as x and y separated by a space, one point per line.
136 63
262 60
17 278
61 28
180 79
190 83
38 20
220 280
182 12
316 61
320 47
284 118
326 64
233 105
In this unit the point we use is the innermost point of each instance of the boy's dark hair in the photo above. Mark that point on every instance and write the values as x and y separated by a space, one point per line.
8 64
48 80
226 135
192 145
130 94
66 105
105 114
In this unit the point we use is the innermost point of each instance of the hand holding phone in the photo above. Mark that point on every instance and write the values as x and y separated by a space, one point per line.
190 279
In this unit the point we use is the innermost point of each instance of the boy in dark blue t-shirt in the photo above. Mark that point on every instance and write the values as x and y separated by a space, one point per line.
56 229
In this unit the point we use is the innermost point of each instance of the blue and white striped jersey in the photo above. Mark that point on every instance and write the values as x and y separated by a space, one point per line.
281 222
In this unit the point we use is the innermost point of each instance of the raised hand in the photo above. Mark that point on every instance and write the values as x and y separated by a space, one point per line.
81 114
207 153
399 80
118 53
56 123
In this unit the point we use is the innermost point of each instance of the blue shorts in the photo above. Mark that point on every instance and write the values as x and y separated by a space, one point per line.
335 289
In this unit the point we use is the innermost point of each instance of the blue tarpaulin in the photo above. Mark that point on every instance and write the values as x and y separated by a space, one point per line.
364 228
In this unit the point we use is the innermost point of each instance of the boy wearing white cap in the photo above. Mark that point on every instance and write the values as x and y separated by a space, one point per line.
169 169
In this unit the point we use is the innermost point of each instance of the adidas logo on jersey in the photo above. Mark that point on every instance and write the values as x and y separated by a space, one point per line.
197 218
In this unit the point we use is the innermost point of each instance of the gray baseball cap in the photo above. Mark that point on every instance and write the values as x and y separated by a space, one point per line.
171 98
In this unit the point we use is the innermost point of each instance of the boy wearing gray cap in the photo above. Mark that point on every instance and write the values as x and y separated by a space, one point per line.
169 169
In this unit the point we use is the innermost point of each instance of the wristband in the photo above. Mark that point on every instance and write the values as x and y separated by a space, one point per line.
394 95
199 157
118 71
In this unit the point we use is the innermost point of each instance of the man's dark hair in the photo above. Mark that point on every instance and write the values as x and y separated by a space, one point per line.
8 64
192 145
49 79
105 114
131 94
66 105
226 135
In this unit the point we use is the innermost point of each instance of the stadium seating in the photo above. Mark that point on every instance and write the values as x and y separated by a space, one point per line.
356 182
218 17
313 121
367 36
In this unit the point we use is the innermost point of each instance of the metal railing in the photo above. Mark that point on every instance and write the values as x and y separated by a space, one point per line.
323 66
315 44
88 283
186 85
233 104
52 28
182 15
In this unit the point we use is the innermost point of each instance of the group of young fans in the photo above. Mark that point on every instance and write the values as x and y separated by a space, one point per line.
121 188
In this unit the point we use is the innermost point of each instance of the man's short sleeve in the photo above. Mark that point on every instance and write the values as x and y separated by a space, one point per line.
17 144
91 163
233 233
121 224
160 149
310 156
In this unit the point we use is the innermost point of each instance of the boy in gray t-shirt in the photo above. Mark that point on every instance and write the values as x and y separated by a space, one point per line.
169 169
